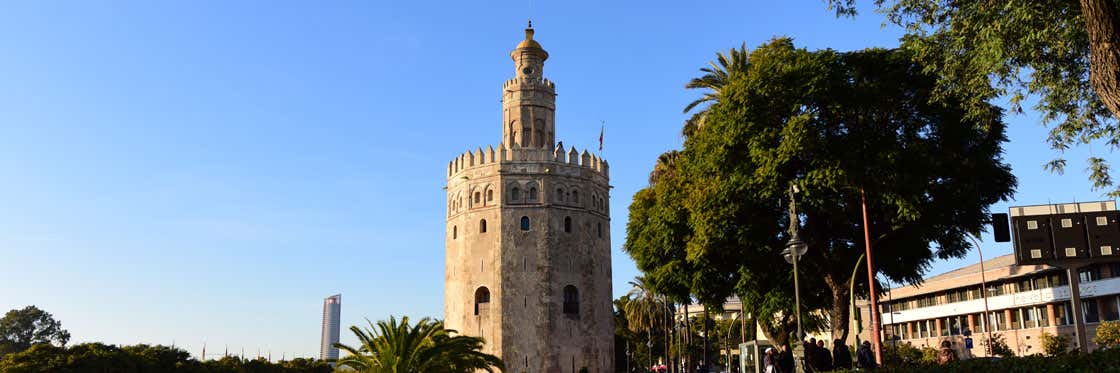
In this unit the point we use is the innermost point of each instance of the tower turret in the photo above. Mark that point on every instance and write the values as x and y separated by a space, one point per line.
529 100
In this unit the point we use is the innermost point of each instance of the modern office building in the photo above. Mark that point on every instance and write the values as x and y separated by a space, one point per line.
332 313
1023 302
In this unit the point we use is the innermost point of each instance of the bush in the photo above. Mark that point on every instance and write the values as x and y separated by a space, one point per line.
900 354
1097 361
999 346
1108 334
929 355
1054 345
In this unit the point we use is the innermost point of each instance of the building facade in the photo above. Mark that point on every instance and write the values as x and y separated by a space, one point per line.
1024 301
527 240
332 313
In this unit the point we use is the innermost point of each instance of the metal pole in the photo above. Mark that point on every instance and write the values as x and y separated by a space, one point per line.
852 299
1078 316
984 293
871 282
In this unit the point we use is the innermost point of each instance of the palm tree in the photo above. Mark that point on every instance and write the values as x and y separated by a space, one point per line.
716 76
644 309
392 347
666 166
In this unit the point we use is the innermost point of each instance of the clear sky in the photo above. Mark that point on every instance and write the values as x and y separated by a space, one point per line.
208 171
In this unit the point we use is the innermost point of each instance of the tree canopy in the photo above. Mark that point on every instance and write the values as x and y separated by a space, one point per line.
834 124
99 357
1065 53
23 328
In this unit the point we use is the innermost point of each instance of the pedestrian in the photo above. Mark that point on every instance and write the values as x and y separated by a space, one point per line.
824 357
785 359
841 357
865 357
770 361
946 355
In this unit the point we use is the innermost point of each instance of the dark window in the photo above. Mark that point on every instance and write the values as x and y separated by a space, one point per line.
454 232
571 300
1089 308
532 194
477 197
575 196
560 194
599 228
524 223
515 194
482 226
489 195
1088 274
481 299
567 224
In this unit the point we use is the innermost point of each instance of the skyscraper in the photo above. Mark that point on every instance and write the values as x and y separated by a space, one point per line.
332 312
528 245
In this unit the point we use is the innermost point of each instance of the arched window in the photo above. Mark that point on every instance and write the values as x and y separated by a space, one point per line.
515 194
560 194
575 196
533 194
571 300
481 299
490 195
567 224
527 138
477 198
524 223
454 232
482 226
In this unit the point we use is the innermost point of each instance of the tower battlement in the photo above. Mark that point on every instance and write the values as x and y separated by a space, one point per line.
532 81
505 154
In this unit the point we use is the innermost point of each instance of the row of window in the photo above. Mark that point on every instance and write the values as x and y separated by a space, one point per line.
1093 310
570 300
521 193
995 288
526 225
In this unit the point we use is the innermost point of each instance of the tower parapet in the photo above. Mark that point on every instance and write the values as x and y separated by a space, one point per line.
558 157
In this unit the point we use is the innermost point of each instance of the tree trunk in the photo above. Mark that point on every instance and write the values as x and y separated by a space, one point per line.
1102 21
689 366
840 314
707 336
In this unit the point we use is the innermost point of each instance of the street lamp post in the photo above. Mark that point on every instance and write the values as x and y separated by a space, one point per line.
795 248
727 339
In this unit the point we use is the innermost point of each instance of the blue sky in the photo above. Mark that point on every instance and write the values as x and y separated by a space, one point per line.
208 171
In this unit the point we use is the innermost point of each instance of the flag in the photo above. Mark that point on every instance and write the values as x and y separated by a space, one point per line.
603 127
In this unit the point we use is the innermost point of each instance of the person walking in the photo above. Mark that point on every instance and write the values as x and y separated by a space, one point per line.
865 357
841 357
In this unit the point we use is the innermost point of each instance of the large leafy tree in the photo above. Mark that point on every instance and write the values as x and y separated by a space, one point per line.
1064 52
834 124
400 347
20 329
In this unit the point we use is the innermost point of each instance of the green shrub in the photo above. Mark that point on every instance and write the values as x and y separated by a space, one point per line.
929 355
1054 345
999 346
1108 334
900 354
1107 360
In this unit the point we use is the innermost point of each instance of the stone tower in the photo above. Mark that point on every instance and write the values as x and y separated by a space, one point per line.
528 245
